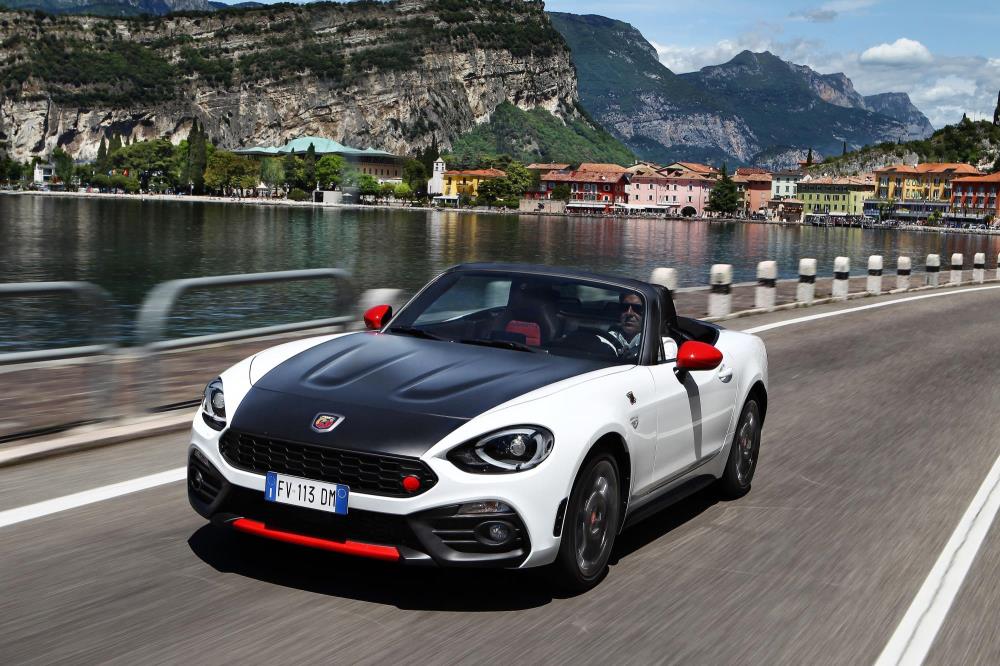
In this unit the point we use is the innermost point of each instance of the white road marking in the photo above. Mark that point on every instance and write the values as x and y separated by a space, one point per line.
32 511
837 313
915 634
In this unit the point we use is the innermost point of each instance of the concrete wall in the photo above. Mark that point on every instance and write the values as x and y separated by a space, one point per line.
547 206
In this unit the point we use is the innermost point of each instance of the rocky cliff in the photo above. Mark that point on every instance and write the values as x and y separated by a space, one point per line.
392 75
756 108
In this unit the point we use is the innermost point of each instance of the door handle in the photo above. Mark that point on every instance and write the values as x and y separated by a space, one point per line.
725 374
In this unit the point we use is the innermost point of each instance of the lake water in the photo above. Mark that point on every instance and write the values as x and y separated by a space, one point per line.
128 246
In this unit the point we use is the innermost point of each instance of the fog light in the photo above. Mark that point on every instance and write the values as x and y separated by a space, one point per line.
486 506
197 480
494 533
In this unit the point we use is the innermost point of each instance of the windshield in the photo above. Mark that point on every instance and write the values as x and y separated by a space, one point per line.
529 313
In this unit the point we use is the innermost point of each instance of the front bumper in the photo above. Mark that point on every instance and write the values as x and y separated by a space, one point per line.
436 536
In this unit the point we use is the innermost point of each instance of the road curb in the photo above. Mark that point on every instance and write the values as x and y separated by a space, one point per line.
107 435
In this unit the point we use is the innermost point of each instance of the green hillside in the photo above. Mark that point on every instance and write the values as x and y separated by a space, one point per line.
967 141
536 136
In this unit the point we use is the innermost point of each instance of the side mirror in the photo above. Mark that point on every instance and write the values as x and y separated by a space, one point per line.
694 355
378 316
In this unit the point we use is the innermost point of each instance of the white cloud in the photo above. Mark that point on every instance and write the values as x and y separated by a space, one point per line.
946 88
903 51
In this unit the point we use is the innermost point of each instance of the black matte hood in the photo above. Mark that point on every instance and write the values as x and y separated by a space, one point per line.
398 394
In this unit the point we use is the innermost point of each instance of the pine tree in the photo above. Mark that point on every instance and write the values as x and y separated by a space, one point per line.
199 157
101 163
724 198
310 167
996 113
845 149
115 145
809 158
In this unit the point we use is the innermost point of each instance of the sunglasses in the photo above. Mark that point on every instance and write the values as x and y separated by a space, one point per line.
637 308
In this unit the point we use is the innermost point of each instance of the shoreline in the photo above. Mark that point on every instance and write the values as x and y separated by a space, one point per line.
252 201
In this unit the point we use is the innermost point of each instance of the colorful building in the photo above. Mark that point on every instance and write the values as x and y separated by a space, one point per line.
465 182
755 188
915 193
784 183
590 189
975 199
835 197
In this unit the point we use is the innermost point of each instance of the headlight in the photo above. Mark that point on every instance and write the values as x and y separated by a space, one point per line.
213 407
509 450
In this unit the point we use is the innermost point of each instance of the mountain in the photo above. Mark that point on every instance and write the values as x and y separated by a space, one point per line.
398 76
111 7
898 105
754 105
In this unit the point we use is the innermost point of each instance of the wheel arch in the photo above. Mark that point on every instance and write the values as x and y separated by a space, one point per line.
759 393
614 443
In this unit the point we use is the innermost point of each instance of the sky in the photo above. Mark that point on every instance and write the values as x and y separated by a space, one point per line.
945 55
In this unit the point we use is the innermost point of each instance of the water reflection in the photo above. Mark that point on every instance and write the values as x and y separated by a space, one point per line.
127 246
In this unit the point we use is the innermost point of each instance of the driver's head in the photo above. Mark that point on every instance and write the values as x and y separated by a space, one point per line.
630 319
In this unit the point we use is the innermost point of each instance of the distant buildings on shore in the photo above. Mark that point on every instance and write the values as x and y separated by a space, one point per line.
384 167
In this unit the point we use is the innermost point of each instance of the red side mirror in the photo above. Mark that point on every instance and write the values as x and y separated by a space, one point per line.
694 355
378 316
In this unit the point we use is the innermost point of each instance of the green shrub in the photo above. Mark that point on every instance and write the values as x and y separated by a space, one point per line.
299 195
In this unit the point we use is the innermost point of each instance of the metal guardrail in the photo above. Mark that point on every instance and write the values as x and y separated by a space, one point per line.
151 324
103 335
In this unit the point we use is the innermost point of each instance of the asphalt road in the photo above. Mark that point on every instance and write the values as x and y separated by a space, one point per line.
881 427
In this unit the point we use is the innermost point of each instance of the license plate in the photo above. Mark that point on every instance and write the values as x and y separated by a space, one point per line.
285 489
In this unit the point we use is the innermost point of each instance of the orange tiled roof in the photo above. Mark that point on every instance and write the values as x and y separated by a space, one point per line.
477 173
584 176
931 167
989 178
599 166
698 168
752 171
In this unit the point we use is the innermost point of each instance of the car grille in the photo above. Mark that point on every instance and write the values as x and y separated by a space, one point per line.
368 473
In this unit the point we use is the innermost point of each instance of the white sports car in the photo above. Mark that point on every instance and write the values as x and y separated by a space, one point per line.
507 416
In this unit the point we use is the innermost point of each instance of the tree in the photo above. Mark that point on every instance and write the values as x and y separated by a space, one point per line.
492 190
329 169
403 192
101 163
294 172
198 146
518 178
272 172
367 186
845 149
227 170
561 192
63 164
415 175
386 190
809 157
725 197
310 167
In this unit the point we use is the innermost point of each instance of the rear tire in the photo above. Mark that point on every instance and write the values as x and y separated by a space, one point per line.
592 518
743 453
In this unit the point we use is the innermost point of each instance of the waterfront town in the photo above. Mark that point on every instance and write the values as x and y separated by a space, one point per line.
934 194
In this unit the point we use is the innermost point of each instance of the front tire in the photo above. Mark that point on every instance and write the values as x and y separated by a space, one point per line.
592 517
742 462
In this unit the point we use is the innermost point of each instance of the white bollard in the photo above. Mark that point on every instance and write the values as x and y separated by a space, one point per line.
956 268
666 277
903 268
874 274
841 277
979 268
767 276
933 268
806 290
720 298
998 266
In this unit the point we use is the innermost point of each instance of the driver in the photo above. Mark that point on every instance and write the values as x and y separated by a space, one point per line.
628 330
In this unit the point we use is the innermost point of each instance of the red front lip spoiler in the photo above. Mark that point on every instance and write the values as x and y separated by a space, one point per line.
387 553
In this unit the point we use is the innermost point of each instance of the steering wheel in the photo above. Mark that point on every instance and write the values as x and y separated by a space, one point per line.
611 340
